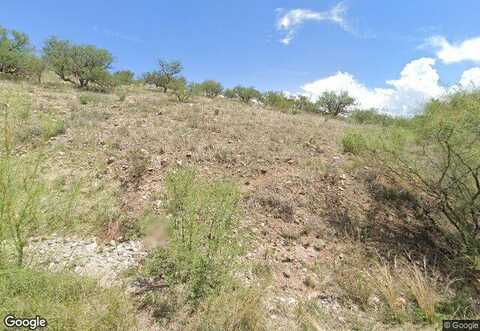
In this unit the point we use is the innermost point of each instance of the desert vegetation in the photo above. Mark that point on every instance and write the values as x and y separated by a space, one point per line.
175 205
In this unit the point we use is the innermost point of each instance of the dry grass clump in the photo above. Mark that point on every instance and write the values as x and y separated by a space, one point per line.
310 316
387 285
423 289
402 292
240 309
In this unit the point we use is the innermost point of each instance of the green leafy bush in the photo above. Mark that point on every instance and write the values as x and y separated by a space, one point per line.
17 58
26 202
181 89
229 93
302 103
123 77
89 98
52 127
375 118
82 65
354 143
438 156
163 77
335 104
245 94
203 227
277 100
20 202
210 88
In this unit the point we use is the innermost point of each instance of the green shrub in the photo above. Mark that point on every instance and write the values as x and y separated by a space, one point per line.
67 302
210 88
122 96
165 75
20 203
203 234
20 189
244 94
82 65
52 127
277 100
35 67
89 98
354 143
181 89
376 118
335 104
123 77
229 93
26 203
292 105
17 58
83 99
302 103
370 117
438 156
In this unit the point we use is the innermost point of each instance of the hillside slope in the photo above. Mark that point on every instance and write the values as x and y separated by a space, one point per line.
307 208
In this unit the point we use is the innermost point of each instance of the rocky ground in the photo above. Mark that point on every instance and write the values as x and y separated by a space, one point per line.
103 261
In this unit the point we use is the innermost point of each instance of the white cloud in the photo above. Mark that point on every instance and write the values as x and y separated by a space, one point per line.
341 81
468 50
291 21
418 82
470 79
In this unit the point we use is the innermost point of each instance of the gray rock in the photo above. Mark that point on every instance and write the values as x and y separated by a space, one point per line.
85 257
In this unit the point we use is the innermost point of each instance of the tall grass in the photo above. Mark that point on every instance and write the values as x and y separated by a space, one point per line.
422 287
353 142
67 302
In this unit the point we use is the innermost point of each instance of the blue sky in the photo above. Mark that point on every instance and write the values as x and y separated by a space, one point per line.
240 42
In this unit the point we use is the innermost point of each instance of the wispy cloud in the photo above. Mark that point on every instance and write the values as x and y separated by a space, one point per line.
468 50
289 22
117 35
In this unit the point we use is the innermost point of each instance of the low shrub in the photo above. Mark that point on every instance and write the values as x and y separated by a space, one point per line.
26 202
89 98
278 100
376 118
181 89
244 94
203 230
354 143
122 96
52 127
123 77
210 88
